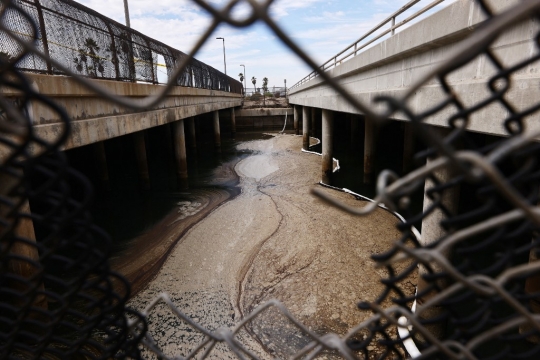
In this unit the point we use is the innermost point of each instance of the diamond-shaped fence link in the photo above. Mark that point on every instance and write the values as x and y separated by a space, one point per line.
480 292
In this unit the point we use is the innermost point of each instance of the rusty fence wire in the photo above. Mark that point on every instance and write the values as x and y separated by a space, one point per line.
478 294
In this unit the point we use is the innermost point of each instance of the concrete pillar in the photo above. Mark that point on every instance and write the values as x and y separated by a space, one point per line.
233 123
192 135
408 147
180 153
312 122
142 162
317 124
25 229
168 140
327 146
23 256
355 123
369 149
431 232
101 164
217 134
532 286
296 119
306 118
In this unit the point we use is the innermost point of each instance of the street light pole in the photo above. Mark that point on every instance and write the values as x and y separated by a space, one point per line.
245 89
126 12
224 62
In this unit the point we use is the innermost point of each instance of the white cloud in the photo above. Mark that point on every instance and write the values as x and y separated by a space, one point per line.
322 27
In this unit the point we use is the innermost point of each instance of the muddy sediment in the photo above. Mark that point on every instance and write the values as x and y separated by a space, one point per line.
273 241
145 255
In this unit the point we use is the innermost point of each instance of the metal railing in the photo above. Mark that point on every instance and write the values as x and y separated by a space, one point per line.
282 91
371 37
92 45
481 277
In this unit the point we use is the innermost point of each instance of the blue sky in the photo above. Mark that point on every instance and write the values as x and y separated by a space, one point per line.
322 28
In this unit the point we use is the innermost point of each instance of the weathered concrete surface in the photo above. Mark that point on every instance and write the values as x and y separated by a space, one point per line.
274 240
394 65
96 119
264 112
263 119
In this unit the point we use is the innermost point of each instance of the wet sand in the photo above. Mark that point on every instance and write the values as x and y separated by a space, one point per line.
274 240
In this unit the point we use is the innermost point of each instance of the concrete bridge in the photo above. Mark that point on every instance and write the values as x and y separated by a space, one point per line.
392 66
122 61
96 119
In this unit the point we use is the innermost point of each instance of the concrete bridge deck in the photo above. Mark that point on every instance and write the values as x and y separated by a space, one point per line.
391 67
95 118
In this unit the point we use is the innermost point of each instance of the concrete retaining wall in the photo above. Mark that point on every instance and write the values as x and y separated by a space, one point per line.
259 119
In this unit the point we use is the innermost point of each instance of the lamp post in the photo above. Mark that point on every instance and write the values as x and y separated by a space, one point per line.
224 62
126 12
245 89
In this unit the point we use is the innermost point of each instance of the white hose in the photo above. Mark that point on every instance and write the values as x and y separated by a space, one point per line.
285 125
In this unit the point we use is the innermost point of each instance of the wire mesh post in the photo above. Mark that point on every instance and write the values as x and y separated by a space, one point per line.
43 32
114 54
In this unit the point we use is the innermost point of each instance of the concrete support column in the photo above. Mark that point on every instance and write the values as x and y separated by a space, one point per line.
168 138
23 256
355 123
408 147
142 162
532 286
306 118
369 150
191 131
101 164
217 134
296 119
327 146
180 153
25 229
233 123
431 232
312 122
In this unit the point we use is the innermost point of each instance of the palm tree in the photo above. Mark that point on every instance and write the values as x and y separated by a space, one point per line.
241 76
89 50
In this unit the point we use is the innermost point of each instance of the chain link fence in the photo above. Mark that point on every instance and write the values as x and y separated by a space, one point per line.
480 282
92 45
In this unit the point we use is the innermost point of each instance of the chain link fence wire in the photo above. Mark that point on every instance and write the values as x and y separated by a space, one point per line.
58 297
478 294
